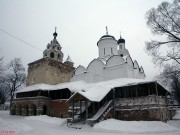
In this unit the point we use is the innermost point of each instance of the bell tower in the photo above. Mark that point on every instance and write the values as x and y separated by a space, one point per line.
50 69
53 49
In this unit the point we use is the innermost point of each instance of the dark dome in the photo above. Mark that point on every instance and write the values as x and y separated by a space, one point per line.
121 40
55 34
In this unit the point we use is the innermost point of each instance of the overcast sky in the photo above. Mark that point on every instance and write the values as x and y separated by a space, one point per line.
80 24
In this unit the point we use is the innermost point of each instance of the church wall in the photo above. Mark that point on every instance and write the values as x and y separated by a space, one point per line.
36 73
78 77
95 71
141 76
48 71
119 71
114 61
93 77
136 73
80 70
130 71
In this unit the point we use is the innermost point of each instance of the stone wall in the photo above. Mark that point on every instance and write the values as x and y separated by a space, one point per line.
152 114
48 71
142 108
143 101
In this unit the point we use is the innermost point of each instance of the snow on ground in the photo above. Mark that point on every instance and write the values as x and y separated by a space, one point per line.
176 120
45 125
135 126
177 116
47 119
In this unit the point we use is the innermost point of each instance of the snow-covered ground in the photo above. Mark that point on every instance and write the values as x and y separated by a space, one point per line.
45 125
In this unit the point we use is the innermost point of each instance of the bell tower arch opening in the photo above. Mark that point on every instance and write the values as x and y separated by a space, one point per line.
52 55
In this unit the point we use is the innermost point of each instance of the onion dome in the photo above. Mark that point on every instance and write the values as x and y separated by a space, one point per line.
55 34
121 40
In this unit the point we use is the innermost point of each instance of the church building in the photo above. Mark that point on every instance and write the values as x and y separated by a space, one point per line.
114 62
112 86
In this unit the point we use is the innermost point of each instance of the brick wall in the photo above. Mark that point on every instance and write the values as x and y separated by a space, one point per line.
59 108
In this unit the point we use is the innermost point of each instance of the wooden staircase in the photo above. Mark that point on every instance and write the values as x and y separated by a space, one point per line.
101 114
77 115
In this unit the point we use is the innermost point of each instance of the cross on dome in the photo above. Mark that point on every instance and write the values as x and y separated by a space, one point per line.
106 30
55 34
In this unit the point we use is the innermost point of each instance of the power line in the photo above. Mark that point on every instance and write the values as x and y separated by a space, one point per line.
7 33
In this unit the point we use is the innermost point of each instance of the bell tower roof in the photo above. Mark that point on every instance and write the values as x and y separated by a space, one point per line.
53 49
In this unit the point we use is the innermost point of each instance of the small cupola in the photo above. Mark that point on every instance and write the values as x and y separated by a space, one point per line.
55 34
121 40
122 49
69 61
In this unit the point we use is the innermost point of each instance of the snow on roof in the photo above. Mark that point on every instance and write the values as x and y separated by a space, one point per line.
72 86
92 91
97 91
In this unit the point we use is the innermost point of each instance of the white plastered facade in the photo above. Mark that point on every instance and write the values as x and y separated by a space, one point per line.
112 63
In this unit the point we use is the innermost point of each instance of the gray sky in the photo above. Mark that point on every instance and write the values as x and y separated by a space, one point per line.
80 24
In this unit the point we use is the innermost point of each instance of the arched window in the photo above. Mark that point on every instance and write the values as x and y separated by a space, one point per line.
52 55
58 55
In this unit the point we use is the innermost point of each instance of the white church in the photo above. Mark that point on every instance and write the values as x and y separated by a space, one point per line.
114 62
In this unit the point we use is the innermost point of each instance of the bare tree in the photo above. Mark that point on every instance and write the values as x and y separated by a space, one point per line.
170 77
2 91
15 76
1 66
164 21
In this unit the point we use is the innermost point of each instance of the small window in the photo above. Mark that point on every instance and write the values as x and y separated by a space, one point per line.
104 51
120 46
111 51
